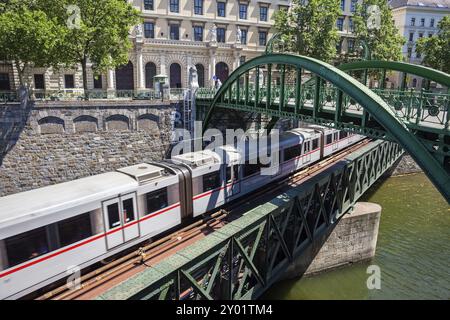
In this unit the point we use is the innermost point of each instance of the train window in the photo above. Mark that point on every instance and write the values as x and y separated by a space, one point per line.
307 146
292 152
235 174
250 169
329 139
128 210
335 135
342 134
315 144
74 229
211 181
113 215
26 246
157 200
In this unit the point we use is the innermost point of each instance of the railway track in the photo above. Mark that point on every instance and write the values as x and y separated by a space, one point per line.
144 254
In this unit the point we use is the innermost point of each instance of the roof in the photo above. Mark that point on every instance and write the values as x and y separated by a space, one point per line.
50 199
420 3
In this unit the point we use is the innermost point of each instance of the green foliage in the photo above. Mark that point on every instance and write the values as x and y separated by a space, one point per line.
99 34
28 38
436 49
385 42
309 28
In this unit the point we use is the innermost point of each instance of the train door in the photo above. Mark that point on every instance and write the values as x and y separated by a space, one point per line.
335 144
120 217
232 180
306 151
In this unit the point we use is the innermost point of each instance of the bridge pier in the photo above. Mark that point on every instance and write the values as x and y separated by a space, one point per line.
351 240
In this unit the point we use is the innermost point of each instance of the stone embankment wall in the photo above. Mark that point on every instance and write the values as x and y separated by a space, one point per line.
352 240
406 165
53 142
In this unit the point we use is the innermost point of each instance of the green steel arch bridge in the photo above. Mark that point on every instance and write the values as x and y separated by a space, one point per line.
343 98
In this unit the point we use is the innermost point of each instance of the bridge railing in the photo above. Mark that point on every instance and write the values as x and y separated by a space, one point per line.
244 258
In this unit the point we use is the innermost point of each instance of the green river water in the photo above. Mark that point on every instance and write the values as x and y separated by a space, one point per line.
413 250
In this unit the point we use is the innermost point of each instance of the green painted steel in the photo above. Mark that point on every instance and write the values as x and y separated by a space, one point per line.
409 68
245 257
370 114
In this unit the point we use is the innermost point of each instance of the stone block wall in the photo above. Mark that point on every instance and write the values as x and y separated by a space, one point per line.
53 142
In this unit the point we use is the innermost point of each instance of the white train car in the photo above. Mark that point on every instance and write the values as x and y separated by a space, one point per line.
46 232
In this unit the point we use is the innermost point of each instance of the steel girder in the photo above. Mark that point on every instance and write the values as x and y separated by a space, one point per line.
244 258
344 90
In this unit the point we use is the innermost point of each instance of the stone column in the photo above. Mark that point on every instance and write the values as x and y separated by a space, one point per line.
212 65
110 79
163 65
140 70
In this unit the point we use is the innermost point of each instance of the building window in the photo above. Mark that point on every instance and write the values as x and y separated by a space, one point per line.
150 73
174 32
411 36
432 23
422 22
149 30
420 35
413 22
244 36
414 82
198 7
39 82
148 4
409 52
430 34
4 81
198 33
263 13
201 75
98 83
220 34
175 75
343 5
221 8
350 45
174 6
69 81
242 60
353 5
351 25
243 11
418 55
262 38
340 24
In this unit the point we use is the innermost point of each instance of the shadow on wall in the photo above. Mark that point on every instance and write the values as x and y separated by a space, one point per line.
13 120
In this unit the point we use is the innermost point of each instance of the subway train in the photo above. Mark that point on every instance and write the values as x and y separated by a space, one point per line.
47 232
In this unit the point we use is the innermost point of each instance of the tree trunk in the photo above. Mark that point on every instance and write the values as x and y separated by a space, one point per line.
85 86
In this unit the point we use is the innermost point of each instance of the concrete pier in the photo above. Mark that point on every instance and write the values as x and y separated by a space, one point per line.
352 240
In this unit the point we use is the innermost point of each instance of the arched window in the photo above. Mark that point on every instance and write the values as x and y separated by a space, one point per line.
148 122
150 72
222 71
175 75
117 122
201 75
50 125
85 124
125 77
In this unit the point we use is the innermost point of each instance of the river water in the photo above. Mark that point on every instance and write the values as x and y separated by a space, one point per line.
413 250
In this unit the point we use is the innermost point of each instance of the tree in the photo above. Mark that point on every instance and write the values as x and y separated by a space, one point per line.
28 37
309 28
436 49
374 24
95 31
